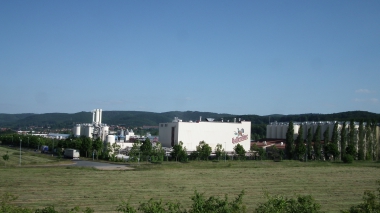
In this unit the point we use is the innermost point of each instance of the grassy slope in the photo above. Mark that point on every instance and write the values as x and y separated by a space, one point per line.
28 157
334 186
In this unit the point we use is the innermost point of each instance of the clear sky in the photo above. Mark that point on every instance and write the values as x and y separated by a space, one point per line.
239 57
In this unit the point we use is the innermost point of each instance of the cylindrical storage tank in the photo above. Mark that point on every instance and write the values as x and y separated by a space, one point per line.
100 115
111 139
76 130
97 115
273 131
304 129
283 131
90 131
296 129
278 131
105 129
323 129
268 131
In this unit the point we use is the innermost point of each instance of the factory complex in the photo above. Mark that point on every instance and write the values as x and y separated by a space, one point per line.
227 134
191 133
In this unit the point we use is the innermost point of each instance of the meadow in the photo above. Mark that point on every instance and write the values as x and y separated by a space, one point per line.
335 186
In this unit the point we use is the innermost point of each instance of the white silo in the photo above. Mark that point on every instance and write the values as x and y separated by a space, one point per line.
100 115
278 131
76 130
284 129
295 132
111 139
268 131
304 129
273 131
105 132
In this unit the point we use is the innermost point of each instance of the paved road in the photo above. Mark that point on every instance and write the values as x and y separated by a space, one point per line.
102 166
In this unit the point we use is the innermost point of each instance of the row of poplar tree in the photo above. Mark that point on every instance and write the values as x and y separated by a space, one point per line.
347 143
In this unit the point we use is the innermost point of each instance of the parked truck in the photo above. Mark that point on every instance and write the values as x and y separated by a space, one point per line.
71 153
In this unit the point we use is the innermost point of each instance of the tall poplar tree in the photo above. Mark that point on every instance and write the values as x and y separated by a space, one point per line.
309 140
351 146
368 140
361 154
334 137
326 139
351 134
343 140
289 143
317 143
300 148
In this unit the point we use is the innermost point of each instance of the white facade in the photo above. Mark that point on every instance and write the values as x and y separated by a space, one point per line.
228 134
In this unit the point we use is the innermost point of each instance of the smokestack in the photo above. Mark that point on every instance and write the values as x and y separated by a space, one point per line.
200 118
234 120
100 116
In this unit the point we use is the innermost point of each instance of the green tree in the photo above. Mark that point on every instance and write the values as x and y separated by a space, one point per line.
317 143
368 141
240 151
218 151
343 140
260 152
158 153
352 134
97 145
5 158
361 152
86 145
335 139
204 150
289 142
326 139
309 139
300 149
134 152
146 148
179 153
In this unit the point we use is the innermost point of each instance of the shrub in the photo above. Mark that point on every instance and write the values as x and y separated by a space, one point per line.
371 203
347 158
280 204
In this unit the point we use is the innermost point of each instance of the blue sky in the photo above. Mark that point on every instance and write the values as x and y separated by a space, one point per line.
238 57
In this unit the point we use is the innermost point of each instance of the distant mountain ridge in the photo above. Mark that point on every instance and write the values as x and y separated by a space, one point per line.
140 118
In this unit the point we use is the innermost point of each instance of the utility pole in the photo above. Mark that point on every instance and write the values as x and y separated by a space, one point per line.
20 150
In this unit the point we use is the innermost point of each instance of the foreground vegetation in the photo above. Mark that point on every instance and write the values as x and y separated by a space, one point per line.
335 186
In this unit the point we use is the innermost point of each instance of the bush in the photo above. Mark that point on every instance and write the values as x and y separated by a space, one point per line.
280 204
371 203
347 158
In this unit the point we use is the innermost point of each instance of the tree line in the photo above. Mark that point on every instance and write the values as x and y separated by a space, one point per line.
347 142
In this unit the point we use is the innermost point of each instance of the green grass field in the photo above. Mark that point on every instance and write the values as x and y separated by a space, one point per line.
335 186
28 157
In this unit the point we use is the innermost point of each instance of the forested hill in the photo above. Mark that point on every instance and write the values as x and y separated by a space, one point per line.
138 118
342 116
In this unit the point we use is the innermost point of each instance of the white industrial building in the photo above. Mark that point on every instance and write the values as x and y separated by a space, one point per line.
228 134
93 130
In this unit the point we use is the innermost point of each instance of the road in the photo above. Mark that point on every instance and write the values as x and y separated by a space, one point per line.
101 166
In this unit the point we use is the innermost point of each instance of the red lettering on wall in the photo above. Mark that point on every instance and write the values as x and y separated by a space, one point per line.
239 139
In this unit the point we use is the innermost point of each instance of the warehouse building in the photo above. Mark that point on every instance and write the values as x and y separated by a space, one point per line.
190 133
